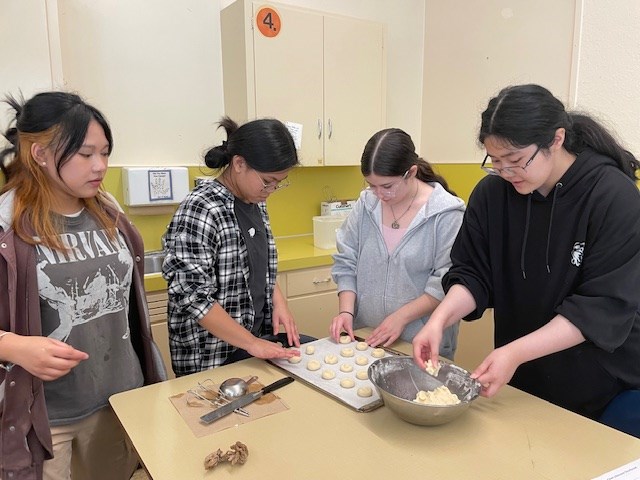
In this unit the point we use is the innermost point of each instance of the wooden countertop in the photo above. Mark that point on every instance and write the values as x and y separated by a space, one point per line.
293 253
512 436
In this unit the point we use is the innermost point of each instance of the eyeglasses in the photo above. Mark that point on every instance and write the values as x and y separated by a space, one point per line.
272 187
387 192
508 171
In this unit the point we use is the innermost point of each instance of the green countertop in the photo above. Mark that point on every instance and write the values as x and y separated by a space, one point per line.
294 253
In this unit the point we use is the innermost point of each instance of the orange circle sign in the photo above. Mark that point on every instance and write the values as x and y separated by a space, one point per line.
268 22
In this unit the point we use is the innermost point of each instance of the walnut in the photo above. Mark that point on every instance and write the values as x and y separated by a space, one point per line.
214 459
237 455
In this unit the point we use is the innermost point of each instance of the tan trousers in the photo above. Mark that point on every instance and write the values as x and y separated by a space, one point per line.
95 448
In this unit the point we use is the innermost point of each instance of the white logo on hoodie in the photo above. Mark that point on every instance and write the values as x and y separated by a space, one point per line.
576 253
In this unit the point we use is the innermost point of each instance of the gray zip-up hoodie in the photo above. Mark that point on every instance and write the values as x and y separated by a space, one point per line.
385 282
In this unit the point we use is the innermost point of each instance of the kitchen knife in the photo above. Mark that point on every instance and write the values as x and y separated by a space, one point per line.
242 401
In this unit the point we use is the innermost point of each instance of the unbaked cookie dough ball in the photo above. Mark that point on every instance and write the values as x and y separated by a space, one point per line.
347 383
377 353
313 365
328 374
310 350
361 360
365 392
347 352
345 339
346 368
362 375
331 359
362 346
295 359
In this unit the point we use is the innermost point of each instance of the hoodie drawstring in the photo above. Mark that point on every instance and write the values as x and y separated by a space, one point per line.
553 206
526 231
526 234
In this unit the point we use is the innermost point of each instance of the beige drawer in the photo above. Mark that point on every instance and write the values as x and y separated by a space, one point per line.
309 280
157 303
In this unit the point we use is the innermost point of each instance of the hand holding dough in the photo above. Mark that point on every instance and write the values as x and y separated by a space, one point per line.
295 359
345 339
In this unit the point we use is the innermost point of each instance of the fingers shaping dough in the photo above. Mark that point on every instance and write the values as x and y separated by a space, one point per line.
362 346
346 368
347 352
362 375
431 369
347 383
377 353
295 359
313 365
365 392
331 359
328 374
345 339
310 350
361 360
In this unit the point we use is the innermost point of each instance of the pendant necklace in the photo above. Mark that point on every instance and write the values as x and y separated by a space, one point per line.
395 225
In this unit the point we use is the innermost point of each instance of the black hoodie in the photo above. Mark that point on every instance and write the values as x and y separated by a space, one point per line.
575 253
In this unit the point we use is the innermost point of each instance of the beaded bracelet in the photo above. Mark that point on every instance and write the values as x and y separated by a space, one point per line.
349 313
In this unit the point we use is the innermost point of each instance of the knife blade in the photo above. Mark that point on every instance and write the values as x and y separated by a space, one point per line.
243 401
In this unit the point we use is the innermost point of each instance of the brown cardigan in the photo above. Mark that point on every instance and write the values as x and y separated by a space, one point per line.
23 413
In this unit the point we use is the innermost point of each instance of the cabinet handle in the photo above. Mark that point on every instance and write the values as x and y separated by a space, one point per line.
319 129
317 282
330 128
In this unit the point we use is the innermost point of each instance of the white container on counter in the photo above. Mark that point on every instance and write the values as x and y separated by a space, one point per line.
324 230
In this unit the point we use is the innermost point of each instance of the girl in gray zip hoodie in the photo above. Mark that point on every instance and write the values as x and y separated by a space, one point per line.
393 249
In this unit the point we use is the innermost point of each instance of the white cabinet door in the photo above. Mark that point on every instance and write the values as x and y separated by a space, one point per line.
354 93
288 77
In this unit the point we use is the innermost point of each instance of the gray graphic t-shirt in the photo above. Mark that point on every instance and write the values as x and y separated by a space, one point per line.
84 301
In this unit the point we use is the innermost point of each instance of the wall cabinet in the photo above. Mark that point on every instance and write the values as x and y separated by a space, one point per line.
312 298
324 72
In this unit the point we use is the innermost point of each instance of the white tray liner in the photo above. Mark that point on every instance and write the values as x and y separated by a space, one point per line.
326 346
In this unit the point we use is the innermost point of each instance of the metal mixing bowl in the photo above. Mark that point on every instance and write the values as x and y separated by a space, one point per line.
398 379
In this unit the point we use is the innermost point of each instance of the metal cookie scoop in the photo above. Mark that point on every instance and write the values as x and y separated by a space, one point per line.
235 387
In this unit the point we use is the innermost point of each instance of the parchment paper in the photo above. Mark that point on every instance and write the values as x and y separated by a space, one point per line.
348 396
191 409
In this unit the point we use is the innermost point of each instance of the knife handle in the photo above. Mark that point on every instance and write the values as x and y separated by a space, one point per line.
277 384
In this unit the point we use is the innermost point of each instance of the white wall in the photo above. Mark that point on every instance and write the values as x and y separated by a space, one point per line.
474 49
608 75
25 65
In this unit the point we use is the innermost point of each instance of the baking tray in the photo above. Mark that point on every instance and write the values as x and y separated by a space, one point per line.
347 396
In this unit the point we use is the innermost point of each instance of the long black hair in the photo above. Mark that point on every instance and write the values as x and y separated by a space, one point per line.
391 152
265 144
67 112
523 115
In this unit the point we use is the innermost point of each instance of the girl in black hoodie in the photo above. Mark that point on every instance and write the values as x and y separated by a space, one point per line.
551 241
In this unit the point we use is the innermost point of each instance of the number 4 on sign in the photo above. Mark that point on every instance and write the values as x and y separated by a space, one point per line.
268 22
